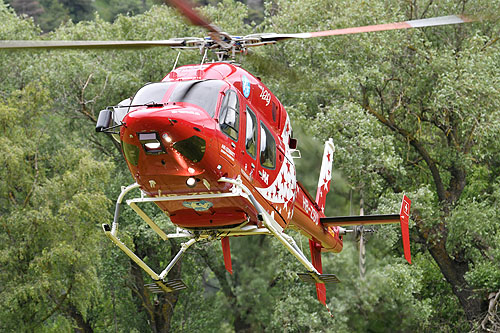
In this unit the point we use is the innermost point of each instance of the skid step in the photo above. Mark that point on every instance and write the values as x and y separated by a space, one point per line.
166 287
318 278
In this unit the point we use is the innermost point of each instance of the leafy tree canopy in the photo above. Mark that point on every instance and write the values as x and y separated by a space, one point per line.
413 111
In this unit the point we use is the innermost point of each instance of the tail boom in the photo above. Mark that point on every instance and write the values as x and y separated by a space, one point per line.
307 216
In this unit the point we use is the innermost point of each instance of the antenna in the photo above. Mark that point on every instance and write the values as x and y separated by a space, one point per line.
203 59
176 59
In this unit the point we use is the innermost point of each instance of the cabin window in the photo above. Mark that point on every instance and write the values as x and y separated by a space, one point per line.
267 148
251 133
274 111
229 117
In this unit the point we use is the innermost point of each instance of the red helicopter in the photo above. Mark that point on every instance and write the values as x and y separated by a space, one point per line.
212 147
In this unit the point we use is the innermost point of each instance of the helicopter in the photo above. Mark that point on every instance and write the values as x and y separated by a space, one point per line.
212 147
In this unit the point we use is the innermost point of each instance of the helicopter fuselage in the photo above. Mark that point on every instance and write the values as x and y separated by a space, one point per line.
205 122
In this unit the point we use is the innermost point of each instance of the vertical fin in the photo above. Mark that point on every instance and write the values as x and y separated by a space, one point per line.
316 261
325 174
226 252
404 218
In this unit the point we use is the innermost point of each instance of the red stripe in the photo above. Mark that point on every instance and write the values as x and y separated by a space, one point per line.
466 19
368 28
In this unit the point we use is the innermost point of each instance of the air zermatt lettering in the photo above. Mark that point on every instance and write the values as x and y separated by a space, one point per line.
265 95
199 206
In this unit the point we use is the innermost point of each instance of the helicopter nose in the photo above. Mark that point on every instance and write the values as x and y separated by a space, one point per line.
172 124
177 135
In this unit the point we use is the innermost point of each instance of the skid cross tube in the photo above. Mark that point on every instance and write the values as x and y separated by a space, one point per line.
112 232
129 253
184 247
125 190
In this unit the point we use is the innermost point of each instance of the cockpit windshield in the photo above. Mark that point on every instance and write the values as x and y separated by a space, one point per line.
201 93
152 93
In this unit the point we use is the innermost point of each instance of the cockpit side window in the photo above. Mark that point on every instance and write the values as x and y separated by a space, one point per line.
251 133
267 148
229 117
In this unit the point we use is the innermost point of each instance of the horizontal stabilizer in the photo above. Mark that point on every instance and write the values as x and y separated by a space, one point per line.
402 218
343 221
166 287
318 278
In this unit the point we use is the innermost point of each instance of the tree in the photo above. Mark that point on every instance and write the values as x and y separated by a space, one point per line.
27 7
381 97
414 111
51 200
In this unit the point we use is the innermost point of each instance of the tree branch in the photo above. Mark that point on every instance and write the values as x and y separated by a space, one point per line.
418 146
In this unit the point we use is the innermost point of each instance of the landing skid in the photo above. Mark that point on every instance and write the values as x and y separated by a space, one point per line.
159 287
271 227
318 278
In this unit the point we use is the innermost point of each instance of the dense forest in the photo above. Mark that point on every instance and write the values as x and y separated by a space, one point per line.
49 14
415 112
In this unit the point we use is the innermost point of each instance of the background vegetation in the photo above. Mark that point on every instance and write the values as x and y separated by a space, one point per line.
414 111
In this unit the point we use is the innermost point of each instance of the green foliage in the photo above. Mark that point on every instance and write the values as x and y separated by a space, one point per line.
49 241
414 111
440 85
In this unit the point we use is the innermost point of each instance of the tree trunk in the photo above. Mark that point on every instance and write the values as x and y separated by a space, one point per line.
161 309
454 272
82 324
164 307
448 194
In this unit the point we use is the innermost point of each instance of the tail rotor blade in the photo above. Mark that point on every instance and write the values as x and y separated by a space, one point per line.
362 253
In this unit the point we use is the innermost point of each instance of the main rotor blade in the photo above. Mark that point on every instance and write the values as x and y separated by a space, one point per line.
186 9
22 44
429 22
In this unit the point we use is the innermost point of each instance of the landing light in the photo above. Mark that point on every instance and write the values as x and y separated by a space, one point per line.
167 138
191 170
191 182
152 145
